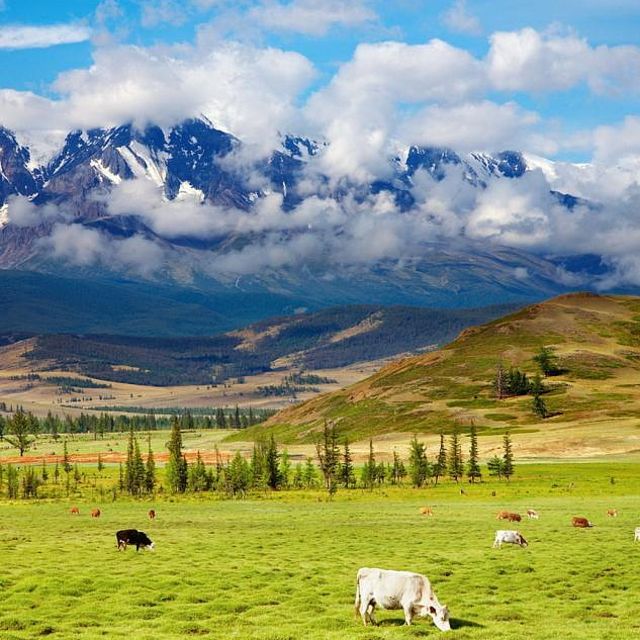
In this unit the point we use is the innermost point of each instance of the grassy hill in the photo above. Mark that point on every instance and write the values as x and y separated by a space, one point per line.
328 339
597 342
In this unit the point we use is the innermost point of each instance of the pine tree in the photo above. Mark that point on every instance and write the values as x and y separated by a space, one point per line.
298 477
121 480
418 463
507 457
285 469
150 471
440 467
539 406
547 361
368 474
238 475
12 482
66 465
310 474
272 465
347 475
100 463
56 473
76 475
176 470
455 465
329 458
45 472
19 428
495 466
473 467
198 475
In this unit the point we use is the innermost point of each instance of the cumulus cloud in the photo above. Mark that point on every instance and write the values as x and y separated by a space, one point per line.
310 17
155 12
459 19
529 60
247 91
85 246
37 37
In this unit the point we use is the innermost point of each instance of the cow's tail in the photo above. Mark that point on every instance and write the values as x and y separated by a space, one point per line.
358 598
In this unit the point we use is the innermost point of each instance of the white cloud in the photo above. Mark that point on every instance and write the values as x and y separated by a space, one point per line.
31 37
155 12
473 126
458 19
311 17
84 246
528 60
247 91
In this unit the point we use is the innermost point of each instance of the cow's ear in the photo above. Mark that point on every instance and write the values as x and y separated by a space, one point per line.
432 610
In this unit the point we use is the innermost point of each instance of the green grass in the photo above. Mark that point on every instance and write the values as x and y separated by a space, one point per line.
283 566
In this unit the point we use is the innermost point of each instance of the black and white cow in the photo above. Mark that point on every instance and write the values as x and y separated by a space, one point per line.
133 536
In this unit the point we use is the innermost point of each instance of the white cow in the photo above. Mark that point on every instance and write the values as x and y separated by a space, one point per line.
411 592
508 537
637 534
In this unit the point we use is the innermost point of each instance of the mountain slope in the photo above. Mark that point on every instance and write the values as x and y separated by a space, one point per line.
330 339
70 198
596 338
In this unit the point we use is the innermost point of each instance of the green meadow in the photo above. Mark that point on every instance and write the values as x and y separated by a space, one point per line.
282 566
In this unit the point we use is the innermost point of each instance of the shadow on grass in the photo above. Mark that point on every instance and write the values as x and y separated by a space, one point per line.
456 623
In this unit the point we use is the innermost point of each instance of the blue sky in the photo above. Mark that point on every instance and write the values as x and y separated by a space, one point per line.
150 23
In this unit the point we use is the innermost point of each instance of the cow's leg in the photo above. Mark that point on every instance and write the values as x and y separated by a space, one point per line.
372 617
364 610
408 614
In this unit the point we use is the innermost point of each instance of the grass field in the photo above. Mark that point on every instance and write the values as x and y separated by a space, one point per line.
282 566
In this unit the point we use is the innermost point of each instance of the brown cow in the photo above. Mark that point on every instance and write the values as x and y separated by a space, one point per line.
95 513
152 514
532 514
511 517
581 523
612 512
426 511
75 511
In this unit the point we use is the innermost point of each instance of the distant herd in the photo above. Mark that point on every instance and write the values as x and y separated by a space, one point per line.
388 589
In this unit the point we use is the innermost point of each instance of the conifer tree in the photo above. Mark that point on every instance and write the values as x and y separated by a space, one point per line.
285 469
198 475
455 464
507 457
176 471
150 471
19 428
45 472
473 466
329 458
418 463
12 482
347 475
368 474
100 463
272 465
440 467
298 477
310 474
495 466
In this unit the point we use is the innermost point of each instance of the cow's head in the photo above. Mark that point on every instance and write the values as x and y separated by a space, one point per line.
151 546
522 542
440 615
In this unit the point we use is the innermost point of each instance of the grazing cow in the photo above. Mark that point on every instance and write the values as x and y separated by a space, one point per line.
636 537
152 514
425 511
612 512
509 537
133 536
75 511
511 517
532 514
581 523
411 592
95 513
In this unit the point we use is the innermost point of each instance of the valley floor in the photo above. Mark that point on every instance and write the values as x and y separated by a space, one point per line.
283 565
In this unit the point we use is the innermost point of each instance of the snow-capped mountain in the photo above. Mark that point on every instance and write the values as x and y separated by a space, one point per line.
195 161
